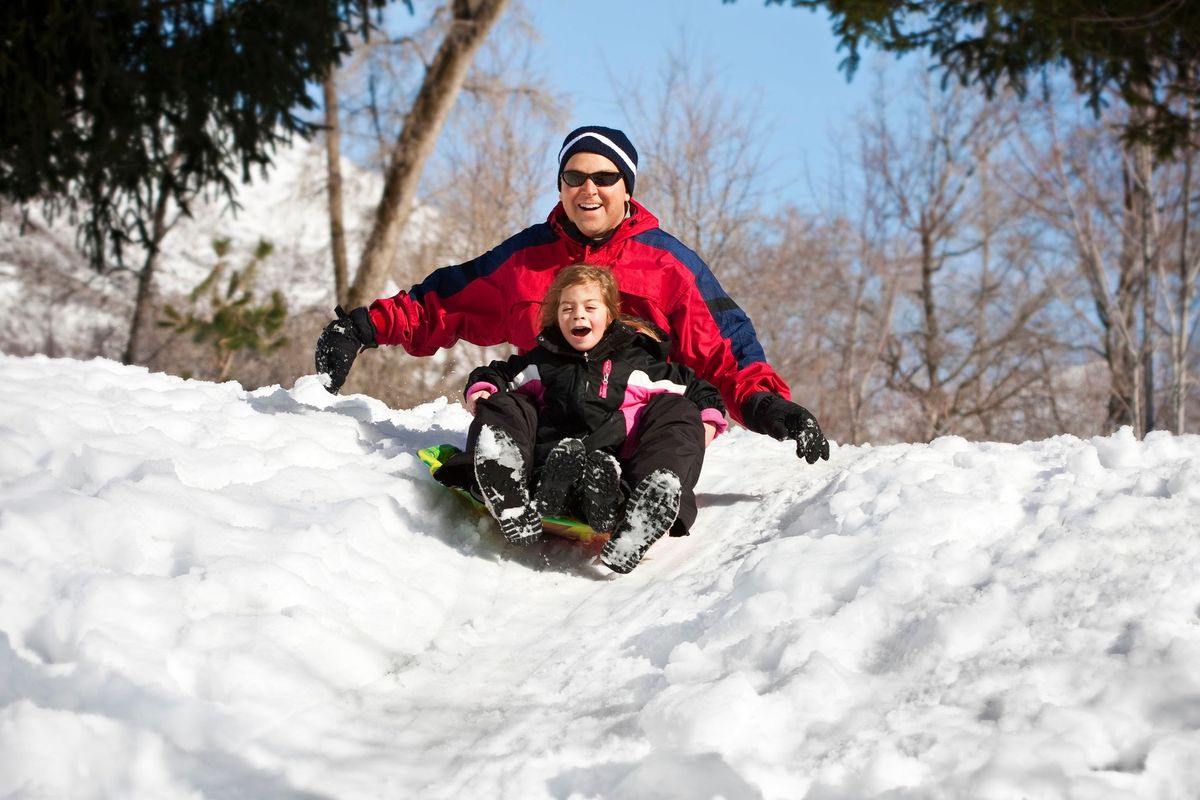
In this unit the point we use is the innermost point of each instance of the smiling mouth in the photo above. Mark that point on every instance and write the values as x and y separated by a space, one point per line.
580 331
590 206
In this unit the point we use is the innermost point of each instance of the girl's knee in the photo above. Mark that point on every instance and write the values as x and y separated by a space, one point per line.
675 404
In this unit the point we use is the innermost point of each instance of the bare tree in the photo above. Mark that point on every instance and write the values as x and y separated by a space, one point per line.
704 174
961 349
704 155
153 214
1140 252
468 25
492 167
858 296
1179 306
337 213
1099 192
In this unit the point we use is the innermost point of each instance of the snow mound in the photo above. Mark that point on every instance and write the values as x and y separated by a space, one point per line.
209 592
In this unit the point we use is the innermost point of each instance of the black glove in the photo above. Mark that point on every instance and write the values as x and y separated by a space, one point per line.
770 414
341 342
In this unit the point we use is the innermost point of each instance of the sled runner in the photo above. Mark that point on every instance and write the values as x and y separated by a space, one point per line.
566 527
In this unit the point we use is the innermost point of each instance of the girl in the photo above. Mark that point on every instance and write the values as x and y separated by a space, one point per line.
595 404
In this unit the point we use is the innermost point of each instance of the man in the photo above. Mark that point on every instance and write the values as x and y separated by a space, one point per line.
496 297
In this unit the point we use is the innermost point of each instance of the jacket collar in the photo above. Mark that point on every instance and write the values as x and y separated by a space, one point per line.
639 221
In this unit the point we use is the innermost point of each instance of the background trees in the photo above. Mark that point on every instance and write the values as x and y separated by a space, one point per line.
468 25
125 111
482 183
108 101
1143 54
986 265
1135 66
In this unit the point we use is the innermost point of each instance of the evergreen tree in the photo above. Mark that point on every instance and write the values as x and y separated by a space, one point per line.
1147 53
105 103
232 320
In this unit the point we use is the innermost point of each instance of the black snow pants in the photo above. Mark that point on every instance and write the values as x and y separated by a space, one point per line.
670 434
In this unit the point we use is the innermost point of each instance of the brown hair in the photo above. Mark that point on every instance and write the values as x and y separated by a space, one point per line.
610 295
575 276
642 326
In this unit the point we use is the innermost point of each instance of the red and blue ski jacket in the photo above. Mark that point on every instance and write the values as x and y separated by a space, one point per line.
496 298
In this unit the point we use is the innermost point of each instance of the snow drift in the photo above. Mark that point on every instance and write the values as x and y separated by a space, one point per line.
208 592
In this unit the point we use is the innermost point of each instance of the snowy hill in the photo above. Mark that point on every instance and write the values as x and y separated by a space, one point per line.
208 592
51 301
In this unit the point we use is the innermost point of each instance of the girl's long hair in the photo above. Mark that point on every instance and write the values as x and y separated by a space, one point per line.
610 295
578 275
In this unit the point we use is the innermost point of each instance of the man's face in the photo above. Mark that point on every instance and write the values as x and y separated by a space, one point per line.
595 210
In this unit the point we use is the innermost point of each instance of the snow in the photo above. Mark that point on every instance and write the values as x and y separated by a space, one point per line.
43 277
496 445
213 593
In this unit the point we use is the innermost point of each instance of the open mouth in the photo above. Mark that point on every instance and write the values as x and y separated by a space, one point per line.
590 206
580 331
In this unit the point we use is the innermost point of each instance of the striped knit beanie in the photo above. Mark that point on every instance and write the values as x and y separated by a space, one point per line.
608 142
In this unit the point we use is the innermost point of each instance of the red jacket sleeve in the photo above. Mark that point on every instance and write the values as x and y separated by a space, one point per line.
489 300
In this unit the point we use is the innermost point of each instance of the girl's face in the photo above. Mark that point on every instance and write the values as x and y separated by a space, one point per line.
582 315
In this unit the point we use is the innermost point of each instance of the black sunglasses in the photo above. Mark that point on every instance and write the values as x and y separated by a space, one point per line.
574 178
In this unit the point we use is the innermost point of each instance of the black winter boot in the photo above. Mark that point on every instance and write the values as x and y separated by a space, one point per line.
601 491
651 510
501 474
560 474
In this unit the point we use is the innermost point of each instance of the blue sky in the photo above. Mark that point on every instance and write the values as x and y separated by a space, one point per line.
785 58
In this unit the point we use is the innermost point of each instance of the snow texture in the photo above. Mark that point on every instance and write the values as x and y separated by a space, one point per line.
213 593
496 445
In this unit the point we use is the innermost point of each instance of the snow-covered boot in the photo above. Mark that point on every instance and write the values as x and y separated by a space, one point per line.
652 508
560 474
601 490
501 474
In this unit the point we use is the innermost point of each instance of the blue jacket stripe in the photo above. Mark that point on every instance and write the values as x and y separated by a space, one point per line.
447 281
734 324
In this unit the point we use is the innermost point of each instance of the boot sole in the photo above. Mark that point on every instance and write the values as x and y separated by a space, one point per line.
651 511
504 492
602 494
563 469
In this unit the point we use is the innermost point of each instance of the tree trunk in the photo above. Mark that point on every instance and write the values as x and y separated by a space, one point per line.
1121 346
143 308
333 158
225 365
143 304
1147 234
1181 334
934 401
470 23
1181 324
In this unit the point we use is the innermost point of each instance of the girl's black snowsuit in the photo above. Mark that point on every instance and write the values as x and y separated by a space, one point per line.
622 396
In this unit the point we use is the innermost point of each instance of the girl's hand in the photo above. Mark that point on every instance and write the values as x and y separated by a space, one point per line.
475 397
710 433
